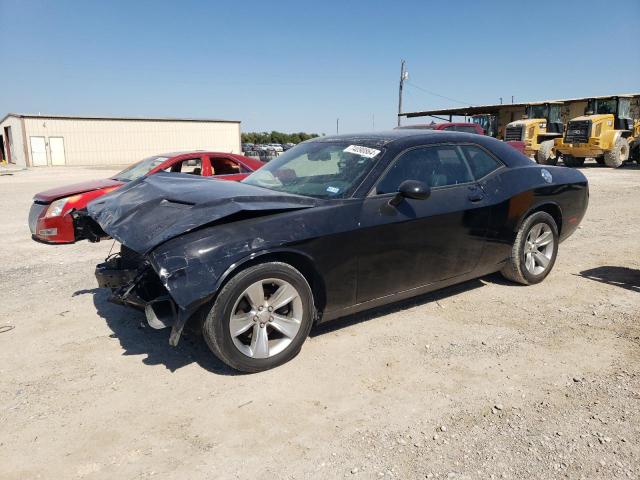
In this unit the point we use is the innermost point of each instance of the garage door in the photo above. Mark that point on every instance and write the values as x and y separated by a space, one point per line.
38 152
56 146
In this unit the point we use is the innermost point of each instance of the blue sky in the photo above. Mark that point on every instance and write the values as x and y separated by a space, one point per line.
297 66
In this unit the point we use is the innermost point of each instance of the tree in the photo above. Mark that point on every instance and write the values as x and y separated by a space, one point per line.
276 137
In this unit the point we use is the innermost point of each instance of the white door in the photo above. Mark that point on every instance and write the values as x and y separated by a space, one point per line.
38 152
56 147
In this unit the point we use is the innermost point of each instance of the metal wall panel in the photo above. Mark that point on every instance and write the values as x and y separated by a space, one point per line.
18 143
121 142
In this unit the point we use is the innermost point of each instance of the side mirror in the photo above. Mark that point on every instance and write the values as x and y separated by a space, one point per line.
411 189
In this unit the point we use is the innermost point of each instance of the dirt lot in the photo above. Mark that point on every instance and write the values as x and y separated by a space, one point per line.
484 380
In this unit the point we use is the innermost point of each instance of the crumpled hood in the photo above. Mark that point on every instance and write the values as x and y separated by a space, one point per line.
151 210
49 196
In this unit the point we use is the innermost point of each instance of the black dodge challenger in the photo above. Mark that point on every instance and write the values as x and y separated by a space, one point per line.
333 226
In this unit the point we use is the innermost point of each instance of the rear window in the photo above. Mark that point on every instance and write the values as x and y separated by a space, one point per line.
480 162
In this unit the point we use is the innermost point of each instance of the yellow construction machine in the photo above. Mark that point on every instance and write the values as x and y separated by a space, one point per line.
540 126
605 132
635 142
488 122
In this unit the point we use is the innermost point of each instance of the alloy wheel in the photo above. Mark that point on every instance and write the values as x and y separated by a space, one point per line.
265 318
538 249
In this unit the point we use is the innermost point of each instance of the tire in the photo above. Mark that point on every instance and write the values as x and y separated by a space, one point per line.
634 154
572 162
518 267
251 350
600 160
618 154
544 155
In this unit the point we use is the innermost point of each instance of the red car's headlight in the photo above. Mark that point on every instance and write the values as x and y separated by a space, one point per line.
56 208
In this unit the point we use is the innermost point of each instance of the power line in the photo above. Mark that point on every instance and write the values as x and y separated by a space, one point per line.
438 95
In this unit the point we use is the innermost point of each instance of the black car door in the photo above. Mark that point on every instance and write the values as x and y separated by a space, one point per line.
419 242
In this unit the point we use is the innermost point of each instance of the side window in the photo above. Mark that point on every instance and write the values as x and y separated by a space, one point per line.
192 166
480 162
225 166
437 166
624 108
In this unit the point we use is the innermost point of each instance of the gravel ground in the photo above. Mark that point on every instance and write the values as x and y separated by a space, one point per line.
483 380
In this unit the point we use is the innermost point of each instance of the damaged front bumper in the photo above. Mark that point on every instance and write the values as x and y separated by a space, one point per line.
134 283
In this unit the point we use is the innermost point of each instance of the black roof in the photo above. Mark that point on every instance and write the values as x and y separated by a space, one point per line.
399 139
374 138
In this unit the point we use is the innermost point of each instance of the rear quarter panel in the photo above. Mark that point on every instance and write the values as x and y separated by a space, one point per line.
517 192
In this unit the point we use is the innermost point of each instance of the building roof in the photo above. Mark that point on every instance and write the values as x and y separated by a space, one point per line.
133 119
478 109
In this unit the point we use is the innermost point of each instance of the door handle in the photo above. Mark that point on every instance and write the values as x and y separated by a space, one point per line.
475 194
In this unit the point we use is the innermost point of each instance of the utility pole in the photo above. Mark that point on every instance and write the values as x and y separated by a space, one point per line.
404 75
337 126
511 99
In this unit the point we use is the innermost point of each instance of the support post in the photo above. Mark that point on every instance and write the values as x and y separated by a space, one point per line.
403 77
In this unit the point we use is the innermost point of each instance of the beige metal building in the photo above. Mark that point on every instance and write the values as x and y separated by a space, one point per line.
41 140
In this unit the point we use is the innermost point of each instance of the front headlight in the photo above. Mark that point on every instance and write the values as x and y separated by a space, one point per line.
56 208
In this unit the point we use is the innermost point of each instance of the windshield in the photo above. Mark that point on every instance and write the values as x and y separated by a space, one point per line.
139 169
600 106
555 114
487 122
317 169
481 120
537 111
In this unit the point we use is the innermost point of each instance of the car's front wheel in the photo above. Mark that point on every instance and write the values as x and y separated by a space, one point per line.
260 318
534 251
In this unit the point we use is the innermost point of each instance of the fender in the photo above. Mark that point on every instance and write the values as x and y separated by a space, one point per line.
250 258
610 137
538 207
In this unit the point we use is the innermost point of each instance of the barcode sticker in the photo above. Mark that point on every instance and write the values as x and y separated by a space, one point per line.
362 151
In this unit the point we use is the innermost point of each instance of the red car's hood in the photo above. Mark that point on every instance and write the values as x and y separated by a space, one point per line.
49 196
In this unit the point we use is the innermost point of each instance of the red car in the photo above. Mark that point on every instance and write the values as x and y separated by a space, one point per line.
50 220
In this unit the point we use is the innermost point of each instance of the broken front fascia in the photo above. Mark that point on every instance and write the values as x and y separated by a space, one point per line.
179 238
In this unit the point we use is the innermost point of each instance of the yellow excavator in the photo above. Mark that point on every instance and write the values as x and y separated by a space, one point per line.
605 132
540 126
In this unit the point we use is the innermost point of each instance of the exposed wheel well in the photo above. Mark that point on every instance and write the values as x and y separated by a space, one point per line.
297 261
553 210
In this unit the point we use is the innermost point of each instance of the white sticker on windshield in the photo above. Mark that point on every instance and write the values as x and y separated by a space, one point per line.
333 189
362 151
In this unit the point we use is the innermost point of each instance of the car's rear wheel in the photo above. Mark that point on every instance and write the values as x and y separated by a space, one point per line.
260 318
534 251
